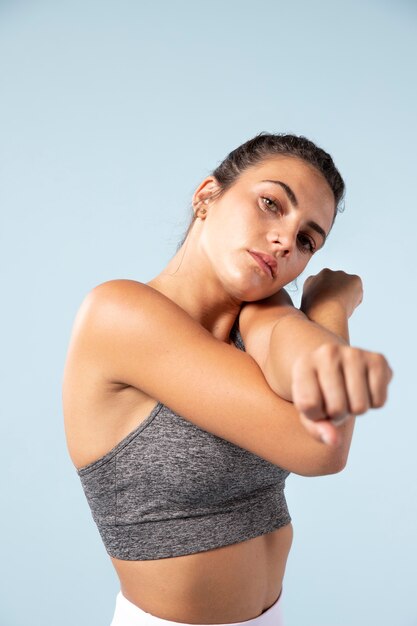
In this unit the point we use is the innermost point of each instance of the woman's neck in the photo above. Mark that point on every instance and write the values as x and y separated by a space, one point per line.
201 298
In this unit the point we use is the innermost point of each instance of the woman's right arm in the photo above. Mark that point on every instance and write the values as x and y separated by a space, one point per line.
139 337
308 360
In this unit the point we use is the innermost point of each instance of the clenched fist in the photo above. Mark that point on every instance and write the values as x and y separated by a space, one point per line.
332 285
334 382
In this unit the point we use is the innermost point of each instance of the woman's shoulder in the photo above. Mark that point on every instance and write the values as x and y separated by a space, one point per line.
110 315
117 288
122 298
122 321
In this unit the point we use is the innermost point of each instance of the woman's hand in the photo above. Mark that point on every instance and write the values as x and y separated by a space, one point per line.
332 285
334 382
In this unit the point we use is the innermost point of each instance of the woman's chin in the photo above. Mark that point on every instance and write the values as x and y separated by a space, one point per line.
251 291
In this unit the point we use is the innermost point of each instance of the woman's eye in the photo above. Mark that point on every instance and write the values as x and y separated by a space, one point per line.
306 244
271 205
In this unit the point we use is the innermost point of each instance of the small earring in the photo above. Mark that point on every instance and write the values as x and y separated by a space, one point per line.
199 211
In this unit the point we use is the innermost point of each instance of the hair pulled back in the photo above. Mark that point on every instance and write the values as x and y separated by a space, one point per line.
266 145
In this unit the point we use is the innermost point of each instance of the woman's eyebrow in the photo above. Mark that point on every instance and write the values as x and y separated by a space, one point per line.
293 199
291 195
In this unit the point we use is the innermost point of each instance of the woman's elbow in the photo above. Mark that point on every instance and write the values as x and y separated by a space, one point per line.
337 464
325 466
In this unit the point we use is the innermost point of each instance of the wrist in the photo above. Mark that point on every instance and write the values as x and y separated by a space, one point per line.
317 306
331 314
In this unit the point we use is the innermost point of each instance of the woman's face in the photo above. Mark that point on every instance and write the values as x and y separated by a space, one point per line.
282 220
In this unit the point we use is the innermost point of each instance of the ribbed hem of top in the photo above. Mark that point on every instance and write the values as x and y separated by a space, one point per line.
161 539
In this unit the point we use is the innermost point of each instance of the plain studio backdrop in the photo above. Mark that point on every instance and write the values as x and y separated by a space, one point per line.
111 114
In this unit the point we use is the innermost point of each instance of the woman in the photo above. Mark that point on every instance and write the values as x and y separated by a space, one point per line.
188 400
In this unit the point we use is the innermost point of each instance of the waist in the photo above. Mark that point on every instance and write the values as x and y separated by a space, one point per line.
232 583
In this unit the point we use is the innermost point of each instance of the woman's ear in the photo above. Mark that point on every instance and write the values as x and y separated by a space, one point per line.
207 189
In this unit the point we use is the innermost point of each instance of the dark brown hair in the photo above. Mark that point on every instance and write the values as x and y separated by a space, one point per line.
266 145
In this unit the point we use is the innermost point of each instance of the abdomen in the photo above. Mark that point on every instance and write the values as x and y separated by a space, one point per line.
228 584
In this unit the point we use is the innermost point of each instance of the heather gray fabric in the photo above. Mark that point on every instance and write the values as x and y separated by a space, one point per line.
170 488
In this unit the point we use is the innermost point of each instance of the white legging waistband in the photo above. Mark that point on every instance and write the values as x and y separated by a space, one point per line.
128 614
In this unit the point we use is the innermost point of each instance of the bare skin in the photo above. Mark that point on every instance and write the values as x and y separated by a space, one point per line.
210 278
229 584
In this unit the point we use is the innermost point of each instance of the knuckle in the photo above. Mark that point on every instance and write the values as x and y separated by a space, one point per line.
306 404
302 362
359 407
378 403
380 364
336 410
329 350
378 359
352 354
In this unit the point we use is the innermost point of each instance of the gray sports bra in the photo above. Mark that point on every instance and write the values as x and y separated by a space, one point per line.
170 488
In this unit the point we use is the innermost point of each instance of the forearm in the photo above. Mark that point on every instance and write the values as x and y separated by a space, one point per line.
295 335
331 316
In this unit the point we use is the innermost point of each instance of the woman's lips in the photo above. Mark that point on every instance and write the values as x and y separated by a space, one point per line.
262 263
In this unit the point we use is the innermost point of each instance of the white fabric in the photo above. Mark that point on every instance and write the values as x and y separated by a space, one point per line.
128 614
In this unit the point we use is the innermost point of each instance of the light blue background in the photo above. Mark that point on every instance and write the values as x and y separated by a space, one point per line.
111 113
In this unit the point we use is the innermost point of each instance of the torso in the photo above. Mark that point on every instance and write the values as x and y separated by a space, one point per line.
228 584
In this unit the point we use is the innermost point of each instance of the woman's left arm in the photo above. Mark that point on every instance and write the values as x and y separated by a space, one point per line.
310 362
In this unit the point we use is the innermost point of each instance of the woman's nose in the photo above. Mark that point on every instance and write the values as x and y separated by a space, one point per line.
283 241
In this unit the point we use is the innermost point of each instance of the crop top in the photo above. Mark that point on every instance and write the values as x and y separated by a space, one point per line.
170 488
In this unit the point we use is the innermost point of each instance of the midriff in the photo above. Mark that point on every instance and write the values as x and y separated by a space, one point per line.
232 583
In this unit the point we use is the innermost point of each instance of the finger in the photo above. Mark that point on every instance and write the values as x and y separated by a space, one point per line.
379 376
355 370
305 388
332 384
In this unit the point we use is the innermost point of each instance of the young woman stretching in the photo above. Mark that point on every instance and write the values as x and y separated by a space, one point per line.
189 399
